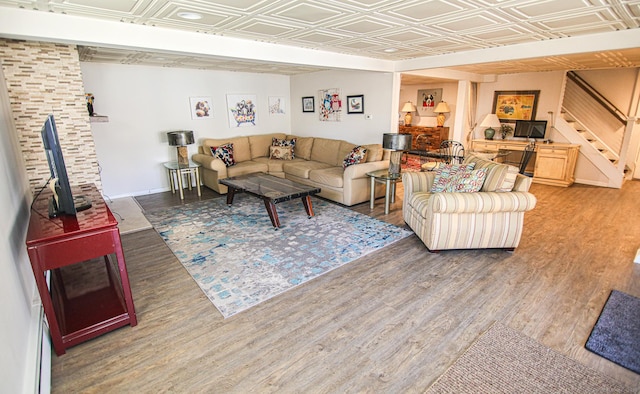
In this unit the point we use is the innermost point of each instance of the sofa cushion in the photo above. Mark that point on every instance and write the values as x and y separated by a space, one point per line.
466 181
374 152
241 148
285 143
331 176
327 151
303 147
224 152
246 167
500 177
302 169
260 144
444 173
356 156
281 152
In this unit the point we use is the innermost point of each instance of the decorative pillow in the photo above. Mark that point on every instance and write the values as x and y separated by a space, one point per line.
224 153
282 142
444 174
467 181
281 152
357 155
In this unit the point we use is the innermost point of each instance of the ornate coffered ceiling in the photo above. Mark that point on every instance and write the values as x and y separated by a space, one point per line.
394 30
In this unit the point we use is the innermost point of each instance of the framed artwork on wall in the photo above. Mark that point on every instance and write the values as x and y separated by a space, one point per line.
330 105
427 100
200 107
308 104
276 106
355 104
512 105
241 109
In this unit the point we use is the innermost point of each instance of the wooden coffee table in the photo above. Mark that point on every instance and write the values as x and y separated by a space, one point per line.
272 190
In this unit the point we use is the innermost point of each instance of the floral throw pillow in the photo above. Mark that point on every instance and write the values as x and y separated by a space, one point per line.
357 155
467 181
284 143
224 153
444 174
281 152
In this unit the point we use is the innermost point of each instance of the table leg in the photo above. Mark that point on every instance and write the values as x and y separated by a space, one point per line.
387 196
189 173
124 278
180 183
393 192
372 198
171 182
198 181
273 214
230 193
307 205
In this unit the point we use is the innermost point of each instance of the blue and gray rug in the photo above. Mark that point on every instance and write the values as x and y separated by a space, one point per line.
239 260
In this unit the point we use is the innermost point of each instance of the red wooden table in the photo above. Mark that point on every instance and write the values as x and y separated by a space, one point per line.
54 243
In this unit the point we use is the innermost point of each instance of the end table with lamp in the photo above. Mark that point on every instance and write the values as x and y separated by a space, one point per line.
183 166
398 144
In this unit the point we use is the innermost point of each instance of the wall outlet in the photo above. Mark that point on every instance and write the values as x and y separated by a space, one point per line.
368 116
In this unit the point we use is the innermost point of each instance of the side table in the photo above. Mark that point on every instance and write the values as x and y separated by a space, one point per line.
390 180
179 170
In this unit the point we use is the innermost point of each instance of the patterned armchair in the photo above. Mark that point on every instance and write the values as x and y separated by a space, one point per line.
490 218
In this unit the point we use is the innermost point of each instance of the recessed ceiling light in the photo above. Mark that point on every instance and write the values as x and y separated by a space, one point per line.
391 50
189 15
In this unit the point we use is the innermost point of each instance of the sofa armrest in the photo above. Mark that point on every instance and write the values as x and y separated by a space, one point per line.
481 202
360 170
211 163
417 181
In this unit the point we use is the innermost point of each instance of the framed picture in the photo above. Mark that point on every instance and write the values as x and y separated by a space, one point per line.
330 105
277 106
355 104
241 110
512 105
308 104
427 100
200 107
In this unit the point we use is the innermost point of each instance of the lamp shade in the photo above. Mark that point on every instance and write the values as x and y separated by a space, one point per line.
442 108
408 107
396 141
491 121
180 137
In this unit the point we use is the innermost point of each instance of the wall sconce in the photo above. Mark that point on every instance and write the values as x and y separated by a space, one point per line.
181 139
397 143
441 109
490 121
408 108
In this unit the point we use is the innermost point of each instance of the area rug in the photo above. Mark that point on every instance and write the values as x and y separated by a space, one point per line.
239 260
503 360
616 335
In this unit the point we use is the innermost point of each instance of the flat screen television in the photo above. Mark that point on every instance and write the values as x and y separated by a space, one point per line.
530 128
62 202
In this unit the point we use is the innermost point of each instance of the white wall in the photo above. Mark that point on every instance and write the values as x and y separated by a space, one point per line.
19 306
377 89
143 103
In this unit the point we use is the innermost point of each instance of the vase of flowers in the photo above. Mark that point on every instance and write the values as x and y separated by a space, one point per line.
505 130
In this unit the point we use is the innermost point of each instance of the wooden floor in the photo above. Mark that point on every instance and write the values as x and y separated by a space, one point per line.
390 322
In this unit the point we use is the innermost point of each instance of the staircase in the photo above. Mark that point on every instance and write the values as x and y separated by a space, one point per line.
603 131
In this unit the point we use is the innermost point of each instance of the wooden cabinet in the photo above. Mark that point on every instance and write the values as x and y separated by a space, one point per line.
434 136
552 164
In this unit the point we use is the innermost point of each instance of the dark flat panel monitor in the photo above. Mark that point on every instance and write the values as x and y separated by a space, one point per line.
530 128
63 202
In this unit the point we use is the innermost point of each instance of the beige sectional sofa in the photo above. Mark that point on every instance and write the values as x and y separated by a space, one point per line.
317 162
490 218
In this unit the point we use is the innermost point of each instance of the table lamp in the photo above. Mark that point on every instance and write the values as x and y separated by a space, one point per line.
408 108
441 109
397 143
490 121
181 139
